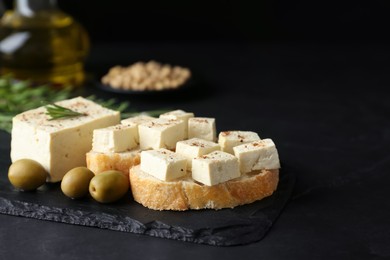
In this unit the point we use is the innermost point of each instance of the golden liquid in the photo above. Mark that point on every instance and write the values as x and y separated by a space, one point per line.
48 48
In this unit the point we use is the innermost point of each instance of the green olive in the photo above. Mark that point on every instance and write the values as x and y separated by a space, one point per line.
75 182
108 186
26 174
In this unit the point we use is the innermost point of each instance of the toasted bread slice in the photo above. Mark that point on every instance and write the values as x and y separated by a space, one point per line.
184 193
100 162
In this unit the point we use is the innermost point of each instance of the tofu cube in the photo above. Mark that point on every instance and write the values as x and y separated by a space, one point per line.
161 133
115 139
137 120
61 144
163 164
179 115
195 147
228 139
257 155
203 128
215 167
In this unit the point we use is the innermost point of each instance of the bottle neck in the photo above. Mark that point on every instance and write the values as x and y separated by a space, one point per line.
32 7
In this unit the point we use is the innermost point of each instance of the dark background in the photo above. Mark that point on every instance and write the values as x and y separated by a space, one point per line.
229 20
324 104
232 20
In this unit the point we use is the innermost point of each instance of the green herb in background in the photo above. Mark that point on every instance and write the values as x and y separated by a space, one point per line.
18 96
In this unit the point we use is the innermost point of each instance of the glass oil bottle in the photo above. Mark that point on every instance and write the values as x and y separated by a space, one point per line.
41 43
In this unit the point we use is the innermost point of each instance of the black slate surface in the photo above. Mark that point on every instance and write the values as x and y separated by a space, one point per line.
226 227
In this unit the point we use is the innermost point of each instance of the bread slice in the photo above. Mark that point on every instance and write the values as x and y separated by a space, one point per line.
100 162
184 193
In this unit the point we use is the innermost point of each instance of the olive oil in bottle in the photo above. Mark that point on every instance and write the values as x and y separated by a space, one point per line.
41 43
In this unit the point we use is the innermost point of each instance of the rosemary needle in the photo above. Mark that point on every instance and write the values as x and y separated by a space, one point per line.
58 112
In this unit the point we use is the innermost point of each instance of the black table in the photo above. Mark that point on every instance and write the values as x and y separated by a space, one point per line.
326 108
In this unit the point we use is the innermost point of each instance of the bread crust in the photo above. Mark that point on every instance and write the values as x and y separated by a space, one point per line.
100 162
185 193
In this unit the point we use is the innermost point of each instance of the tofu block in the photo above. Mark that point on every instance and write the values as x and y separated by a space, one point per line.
163 164
228 139
137 120
257 155
61 144
195 147
161 133
115 139
215 167
203 128
179 115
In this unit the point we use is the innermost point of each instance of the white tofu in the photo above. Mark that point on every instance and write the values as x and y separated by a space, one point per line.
115 139
203 128
163 164
228 139
215 167
59 145
257 155
195 147
179 115
137 120
161 133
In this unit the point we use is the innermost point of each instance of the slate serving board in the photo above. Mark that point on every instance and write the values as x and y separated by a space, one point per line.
227 227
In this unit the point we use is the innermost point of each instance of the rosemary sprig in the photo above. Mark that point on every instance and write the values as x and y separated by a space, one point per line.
17 96
58 112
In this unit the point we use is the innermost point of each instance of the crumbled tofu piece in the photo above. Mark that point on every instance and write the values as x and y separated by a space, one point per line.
203 128
215 167
163 164
195 147
257 155
61 144
161 133
228 139
179 115
137 120
115 139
